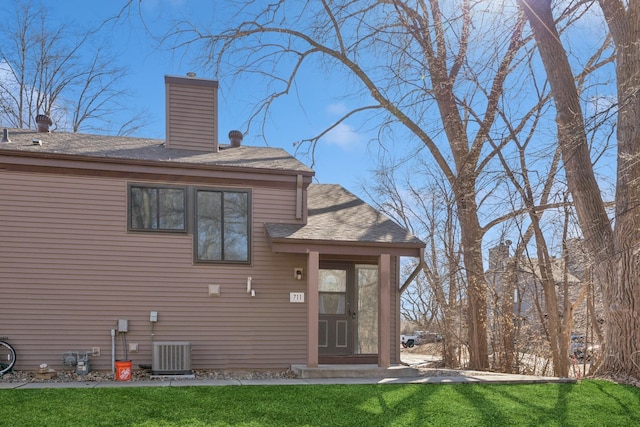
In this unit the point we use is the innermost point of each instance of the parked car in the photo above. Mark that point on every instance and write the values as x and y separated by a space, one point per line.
408 340
429 337
579 348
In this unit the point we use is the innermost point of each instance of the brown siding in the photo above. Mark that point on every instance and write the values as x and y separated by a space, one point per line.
69 271
192 114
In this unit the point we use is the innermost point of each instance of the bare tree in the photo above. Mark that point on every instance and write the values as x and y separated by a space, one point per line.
523 184
615 249
65 74
409 64
435 297
521 132
557 318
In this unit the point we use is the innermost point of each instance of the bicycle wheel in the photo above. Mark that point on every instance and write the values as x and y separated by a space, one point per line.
7 357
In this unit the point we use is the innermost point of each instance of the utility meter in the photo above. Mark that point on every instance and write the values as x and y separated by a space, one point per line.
123 325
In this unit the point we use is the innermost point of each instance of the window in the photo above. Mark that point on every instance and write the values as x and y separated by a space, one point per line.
222 226
332 291
157 208
218 219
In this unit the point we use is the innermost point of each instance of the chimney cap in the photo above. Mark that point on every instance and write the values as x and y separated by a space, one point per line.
191 74
43 118
235 138
43 122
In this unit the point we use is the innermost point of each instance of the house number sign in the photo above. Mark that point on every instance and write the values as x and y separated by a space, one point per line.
296 296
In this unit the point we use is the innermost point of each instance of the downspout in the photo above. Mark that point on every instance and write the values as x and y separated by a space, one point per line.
113 350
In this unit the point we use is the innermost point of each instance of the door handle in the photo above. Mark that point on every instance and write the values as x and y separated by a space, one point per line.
352 314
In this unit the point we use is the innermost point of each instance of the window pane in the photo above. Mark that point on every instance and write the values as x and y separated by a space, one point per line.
367 327
236 239
209 229
222 226
155 208
331 303
171 215
144 203
332 280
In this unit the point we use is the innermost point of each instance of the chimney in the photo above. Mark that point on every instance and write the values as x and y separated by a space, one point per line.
5 135
43 122
235 138
498 256
191 113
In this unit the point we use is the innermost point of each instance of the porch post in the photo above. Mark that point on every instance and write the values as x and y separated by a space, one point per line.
313 266
384 311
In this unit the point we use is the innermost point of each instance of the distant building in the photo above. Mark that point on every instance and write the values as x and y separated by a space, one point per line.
528 298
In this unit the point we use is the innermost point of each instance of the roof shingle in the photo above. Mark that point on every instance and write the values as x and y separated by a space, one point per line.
153 150
335 214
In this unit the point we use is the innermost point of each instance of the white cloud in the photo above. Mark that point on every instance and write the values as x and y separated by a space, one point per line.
161 6
343 136
337 109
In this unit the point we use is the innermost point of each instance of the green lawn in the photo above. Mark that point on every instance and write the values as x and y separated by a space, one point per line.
590 403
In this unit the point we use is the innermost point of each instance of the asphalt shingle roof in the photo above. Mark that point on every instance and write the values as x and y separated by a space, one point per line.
154 150
335 214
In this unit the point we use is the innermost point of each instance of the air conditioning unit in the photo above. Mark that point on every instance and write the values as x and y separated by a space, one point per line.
171 358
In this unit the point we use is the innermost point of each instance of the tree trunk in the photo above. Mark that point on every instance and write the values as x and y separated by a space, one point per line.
612 251
451 338
560 360
471 237
507 317
622 327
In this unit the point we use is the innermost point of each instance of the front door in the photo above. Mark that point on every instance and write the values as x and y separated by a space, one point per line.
337 310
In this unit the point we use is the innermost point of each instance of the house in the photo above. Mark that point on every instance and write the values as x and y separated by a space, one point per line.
122 248
526 295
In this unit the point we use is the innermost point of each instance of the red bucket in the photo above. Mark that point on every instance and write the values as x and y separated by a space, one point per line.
123 370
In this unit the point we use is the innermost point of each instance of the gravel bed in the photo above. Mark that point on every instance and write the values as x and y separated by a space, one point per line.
144 375
426 369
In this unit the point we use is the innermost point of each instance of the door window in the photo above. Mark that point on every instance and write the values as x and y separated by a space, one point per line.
332 289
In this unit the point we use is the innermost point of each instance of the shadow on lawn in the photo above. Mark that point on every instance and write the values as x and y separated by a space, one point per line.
591 403
507 405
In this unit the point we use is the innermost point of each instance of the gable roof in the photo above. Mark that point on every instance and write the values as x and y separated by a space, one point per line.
336 216
532 267
66 144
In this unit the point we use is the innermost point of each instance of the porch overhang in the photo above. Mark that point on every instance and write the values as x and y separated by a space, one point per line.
337 247
315 250
339 224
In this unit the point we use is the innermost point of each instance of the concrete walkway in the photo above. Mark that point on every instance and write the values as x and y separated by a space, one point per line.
462 377
407 374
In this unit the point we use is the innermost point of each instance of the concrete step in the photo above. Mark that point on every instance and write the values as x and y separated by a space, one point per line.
354 371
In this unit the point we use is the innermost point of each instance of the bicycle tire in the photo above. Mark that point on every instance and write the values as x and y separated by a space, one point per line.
7 357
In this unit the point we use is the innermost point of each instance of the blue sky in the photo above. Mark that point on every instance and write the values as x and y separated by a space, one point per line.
342 157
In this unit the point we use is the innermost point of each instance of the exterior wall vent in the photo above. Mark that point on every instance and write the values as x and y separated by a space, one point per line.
191 113
171 358
5 135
